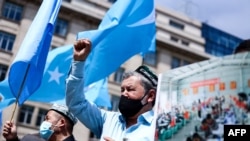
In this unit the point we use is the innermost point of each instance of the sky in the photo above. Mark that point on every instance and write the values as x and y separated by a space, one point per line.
231 16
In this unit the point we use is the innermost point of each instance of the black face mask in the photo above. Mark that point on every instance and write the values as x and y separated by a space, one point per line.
130 107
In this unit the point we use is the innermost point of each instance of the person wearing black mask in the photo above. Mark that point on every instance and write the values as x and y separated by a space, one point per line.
135 121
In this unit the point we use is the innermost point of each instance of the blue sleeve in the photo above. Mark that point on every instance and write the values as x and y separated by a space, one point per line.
87 113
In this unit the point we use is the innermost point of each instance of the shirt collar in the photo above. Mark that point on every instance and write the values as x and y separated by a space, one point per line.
145 117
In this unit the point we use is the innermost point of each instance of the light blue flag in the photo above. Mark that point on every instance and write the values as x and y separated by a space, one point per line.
127 29
27 69
7 97
55 74
98 93
56 71
52 89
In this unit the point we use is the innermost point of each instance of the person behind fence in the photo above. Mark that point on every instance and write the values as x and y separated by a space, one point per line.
57 126
138 93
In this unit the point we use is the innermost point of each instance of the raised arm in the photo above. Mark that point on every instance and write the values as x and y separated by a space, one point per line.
87 113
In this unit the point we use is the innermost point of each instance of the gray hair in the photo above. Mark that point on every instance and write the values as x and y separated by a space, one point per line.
147 85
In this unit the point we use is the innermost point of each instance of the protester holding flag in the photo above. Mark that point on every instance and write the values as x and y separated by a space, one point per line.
138 93
30 60
57 126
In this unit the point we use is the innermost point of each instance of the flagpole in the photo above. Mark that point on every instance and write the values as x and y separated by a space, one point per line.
12 115
20 90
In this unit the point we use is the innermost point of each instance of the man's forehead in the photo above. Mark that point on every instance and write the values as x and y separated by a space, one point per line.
132 80
53 113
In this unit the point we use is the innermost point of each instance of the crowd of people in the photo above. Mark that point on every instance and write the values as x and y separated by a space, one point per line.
208 118
219 111
169 123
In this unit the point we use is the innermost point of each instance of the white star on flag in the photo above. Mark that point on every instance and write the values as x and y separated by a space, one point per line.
55 76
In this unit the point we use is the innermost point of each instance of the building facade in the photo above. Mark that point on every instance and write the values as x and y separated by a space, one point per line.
218 42
178 38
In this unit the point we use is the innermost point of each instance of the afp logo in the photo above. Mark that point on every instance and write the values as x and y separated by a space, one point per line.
241 132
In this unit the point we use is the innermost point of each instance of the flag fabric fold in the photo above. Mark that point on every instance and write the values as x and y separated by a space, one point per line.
7 97
98 93
128 28
55 74
27 69
52 89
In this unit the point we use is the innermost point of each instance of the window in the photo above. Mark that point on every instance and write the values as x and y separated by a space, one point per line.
12 11
176 24
61 27
118 75
25 114
3 71
175 39
150 59
179 40
41 116
223 41
176 62
185 43
115 102
6 41
184 63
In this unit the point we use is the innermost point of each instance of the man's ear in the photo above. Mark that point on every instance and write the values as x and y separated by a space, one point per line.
151 95
62 122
